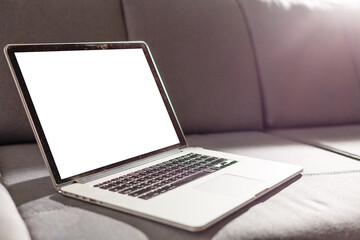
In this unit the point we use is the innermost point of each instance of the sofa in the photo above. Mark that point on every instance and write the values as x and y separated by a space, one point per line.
271 79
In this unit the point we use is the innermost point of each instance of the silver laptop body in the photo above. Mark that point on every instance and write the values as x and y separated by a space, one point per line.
109 135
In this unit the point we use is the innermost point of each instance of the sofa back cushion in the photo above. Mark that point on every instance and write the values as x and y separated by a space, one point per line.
40 21
352 33
203 52
306 67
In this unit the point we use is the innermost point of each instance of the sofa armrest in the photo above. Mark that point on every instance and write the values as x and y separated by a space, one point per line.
12 225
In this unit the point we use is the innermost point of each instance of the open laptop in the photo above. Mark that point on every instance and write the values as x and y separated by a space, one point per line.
109 135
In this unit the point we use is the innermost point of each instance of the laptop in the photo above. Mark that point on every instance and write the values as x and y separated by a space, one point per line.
109 135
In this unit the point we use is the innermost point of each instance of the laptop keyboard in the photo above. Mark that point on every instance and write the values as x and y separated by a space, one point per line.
163 177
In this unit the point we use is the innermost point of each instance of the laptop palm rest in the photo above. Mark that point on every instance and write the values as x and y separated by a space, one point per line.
232 185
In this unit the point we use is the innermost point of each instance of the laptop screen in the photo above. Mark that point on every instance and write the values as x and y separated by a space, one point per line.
97 107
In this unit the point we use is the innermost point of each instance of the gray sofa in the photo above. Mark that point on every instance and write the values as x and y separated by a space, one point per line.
278 80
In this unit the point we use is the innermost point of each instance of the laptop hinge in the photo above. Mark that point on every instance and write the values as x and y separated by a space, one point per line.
125 166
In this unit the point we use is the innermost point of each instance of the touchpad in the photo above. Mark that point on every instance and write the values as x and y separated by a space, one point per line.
232 185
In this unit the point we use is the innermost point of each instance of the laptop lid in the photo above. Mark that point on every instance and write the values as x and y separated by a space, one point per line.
93 106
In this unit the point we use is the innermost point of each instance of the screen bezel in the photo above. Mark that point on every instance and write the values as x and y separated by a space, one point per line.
30 109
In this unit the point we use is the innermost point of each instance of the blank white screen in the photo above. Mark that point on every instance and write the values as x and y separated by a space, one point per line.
96 107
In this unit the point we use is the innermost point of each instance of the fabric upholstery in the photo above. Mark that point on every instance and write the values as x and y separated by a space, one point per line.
23 171
305 63
303 207
341 139
352 33
322 204
204 55
55 21
274 148
228 65
12 227
314 207
21 163
49 219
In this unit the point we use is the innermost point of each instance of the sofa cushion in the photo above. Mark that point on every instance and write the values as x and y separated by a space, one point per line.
306 67
12 226
204 55
352 32
56 21
24 172
321 203
314 207
47 218
341 139
271 147
21 163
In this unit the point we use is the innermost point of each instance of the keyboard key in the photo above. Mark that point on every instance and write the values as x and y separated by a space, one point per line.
141 191
149 195
190 179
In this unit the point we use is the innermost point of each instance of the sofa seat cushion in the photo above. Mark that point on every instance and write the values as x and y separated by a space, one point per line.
52 217
322 203
275 148
325 198
314 207
21 163
47 214
24 173
341 139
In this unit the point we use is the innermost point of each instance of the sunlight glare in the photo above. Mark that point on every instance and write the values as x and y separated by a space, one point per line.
316 4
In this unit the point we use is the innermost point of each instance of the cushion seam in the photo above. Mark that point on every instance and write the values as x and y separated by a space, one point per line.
331 173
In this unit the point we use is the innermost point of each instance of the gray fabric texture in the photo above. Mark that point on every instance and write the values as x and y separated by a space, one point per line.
352 33
341 139
48 214
314 207
271 147
204 55
323 203
56 21
48 219
24 173
12 226
306 67
21 163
